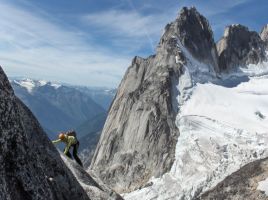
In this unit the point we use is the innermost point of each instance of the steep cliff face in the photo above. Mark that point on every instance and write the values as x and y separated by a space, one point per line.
139 137
243 184
31 167
240 47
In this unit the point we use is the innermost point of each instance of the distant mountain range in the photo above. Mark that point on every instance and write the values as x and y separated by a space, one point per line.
60 107
101 96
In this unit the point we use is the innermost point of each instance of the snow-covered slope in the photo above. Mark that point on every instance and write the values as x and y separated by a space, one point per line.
223 125
31 84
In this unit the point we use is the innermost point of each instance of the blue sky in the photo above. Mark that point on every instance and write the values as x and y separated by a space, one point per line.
92 42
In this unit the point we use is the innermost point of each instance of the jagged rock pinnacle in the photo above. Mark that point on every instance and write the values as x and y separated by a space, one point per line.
240 47
194 32
264 35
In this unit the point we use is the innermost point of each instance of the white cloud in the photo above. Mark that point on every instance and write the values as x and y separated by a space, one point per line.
34 45
126 23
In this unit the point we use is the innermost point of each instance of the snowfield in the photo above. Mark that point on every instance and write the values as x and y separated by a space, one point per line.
223 125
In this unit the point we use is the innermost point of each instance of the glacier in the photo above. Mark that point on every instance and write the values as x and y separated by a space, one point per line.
223 123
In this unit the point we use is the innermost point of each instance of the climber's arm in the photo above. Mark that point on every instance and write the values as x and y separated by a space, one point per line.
56 141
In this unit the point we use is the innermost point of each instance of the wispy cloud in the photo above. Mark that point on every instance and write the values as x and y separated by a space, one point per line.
212 7
125 23
31 45
129 24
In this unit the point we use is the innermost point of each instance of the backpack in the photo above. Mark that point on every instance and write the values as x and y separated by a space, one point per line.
71 133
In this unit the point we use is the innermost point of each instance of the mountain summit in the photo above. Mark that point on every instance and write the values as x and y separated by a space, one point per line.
194 33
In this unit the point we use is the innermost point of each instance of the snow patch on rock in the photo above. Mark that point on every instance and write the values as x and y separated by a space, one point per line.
263 186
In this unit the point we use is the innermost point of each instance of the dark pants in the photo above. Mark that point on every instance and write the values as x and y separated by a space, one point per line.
75 149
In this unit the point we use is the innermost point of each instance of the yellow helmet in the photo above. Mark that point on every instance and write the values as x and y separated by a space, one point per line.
61 136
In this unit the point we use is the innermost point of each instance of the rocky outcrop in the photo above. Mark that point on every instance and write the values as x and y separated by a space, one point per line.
242 184
31 167
240 47
264 35
93 186
139 136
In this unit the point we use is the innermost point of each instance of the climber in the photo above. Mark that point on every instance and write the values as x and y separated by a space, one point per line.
69 138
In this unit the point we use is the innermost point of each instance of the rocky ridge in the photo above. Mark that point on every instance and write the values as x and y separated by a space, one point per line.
242 184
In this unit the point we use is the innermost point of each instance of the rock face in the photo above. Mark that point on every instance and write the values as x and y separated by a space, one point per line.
31 167
242 184
139 136
264 35
240 47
